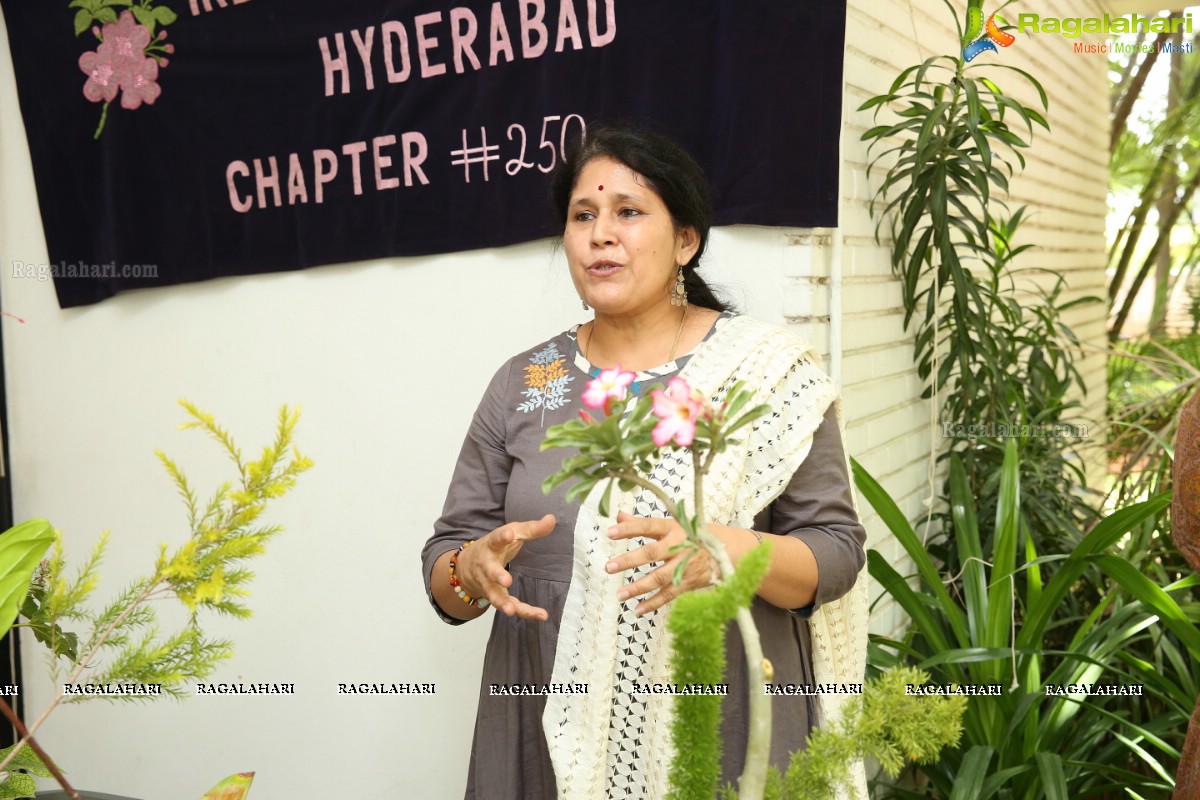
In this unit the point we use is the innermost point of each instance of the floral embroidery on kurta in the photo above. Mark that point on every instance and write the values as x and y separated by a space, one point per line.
546 381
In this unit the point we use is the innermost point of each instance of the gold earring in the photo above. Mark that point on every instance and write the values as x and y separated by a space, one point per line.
679 294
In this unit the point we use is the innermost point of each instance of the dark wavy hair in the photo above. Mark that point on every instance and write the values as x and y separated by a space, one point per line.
669 170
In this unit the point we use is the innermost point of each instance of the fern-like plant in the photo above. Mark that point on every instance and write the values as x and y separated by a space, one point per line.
888 722
206 572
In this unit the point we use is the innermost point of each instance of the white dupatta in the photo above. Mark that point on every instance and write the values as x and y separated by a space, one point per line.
614 742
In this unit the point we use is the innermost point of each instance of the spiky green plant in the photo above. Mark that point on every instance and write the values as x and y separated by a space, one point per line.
205 573
697 626
888 723
1029 744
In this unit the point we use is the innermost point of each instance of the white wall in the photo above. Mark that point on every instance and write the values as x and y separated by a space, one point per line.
388 359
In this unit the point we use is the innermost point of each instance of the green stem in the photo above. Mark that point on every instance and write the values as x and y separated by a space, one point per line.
103 119
633 477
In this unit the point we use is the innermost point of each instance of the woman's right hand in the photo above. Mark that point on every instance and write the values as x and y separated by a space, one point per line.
482 568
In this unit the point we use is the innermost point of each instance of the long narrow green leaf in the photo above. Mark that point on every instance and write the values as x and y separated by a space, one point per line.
923 621
1124 778
1143 589
1183 583
1141 731
972 94
902 530
1033 572
954 16
968 782
1018 107
1103 536
1032 80
1054 783
931 122
967 655
1172 689
896 84
1001 591
1001 779
899 647
1026 703
970 551
1147 759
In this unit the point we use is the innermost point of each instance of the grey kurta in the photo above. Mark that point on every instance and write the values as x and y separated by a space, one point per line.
498 480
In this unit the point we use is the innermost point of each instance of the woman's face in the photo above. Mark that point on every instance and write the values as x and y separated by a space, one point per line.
622 245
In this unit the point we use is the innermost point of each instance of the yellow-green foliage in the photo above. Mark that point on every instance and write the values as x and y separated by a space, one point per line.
697 626
885 723
205 572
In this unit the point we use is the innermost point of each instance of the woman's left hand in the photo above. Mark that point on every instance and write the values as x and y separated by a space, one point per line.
666 533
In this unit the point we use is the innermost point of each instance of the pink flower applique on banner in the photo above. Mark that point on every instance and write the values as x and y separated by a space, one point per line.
103 81
127 59
141 85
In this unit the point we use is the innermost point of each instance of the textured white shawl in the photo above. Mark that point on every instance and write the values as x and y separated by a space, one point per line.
613 742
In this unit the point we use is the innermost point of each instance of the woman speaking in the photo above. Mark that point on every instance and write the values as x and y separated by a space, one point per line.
581 601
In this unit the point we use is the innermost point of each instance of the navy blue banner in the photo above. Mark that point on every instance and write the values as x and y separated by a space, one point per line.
180 140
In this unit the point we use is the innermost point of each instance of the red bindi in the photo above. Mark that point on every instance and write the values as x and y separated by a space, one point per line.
601 187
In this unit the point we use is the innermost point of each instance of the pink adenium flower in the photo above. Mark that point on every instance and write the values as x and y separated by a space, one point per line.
677 410
612 384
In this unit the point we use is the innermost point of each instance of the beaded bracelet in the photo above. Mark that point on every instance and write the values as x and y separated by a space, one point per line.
477 602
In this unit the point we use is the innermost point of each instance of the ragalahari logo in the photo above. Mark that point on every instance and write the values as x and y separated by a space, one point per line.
978 37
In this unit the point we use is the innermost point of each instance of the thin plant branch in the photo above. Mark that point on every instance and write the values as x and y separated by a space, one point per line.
27 737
